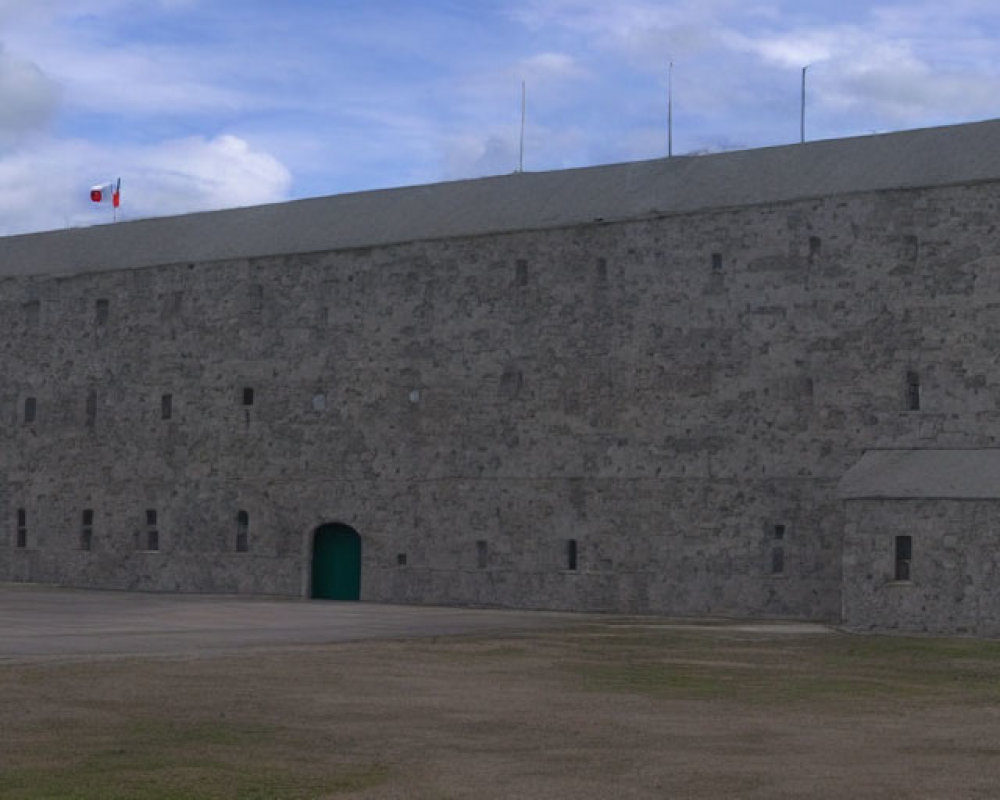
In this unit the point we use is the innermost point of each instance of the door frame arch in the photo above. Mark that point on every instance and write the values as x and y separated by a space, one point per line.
308 570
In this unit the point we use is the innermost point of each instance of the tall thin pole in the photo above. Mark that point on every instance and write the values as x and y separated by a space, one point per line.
670 111
802 115
520 160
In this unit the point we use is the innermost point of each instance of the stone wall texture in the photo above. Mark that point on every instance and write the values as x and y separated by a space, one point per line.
678 395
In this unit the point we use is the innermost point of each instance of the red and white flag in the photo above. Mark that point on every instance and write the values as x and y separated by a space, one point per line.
107 193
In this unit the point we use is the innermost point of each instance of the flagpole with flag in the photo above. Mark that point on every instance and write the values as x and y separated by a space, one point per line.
109 192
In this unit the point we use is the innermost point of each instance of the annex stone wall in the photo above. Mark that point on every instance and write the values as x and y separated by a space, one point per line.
678 395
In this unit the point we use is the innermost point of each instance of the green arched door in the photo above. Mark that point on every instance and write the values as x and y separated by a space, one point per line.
336 563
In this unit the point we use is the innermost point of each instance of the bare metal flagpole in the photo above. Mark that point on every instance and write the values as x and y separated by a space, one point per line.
670 111
520 160
802 115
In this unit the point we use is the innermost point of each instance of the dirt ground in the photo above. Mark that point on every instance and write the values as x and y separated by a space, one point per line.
622 708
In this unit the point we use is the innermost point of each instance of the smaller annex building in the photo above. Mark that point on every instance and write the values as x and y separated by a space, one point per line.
920 540
753 384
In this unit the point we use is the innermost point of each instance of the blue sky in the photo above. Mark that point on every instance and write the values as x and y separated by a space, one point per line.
202 104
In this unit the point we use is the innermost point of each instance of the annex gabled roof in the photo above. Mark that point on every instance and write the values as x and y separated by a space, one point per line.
523 201
946 474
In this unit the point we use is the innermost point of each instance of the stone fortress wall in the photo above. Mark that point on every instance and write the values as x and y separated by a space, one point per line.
642 400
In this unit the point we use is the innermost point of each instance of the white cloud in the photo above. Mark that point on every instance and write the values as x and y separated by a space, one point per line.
28 99
552 66
195 174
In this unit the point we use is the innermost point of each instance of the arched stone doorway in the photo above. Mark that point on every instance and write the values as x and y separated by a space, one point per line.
336 562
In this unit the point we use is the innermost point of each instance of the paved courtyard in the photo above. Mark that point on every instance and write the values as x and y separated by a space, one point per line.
45 622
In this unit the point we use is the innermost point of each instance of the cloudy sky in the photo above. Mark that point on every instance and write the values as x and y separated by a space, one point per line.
202 104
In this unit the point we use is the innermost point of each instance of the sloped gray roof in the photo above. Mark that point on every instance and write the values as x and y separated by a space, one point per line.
523 201
955 474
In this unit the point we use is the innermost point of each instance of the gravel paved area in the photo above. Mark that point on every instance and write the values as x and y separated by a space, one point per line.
43 622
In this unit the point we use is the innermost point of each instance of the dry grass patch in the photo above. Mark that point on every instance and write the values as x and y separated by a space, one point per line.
621 709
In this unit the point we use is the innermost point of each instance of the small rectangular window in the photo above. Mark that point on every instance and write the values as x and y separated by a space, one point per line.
777 560
150 516
166 406
401 559
22 528
91 408
571 554
152 539
481 554
779 532
716 261
86 528
521 272
242 532
904 555
101 312
30 409
912 391
247 396
32 313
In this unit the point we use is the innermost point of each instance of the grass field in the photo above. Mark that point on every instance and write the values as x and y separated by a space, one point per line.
621 709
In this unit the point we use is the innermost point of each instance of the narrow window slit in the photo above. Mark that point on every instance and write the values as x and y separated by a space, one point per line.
904 555
912 391
22 528
777 560
87 529
242 532
571 554
91 408
521 272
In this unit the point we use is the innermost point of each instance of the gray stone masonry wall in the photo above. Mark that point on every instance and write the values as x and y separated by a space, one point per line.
665 391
